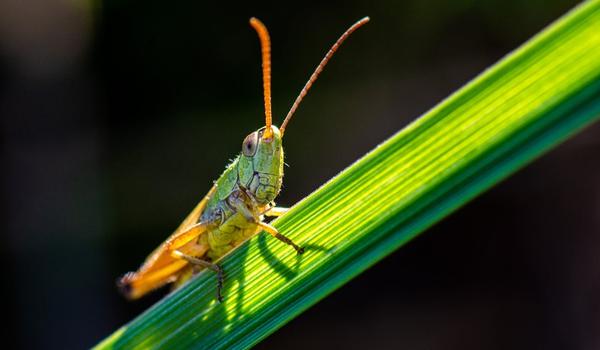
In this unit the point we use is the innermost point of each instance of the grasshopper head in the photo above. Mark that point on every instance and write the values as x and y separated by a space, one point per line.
266 152
261 164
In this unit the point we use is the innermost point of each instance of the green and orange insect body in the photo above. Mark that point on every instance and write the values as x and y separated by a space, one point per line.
235 207
251 183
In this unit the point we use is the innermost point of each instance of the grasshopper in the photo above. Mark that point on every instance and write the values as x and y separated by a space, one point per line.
235 207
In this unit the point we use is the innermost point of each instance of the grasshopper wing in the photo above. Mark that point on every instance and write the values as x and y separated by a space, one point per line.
161 267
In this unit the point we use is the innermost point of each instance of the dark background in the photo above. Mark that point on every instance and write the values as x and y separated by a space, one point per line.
116 116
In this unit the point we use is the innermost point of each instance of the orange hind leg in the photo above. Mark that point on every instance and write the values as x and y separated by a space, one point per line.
136 284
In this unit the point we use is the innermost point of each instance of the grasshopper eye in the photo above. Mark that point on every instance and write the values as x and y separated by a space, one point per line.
249 145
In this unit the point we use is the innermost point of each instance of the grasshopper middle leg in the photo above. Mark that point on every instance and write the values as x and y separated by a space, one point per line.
206 264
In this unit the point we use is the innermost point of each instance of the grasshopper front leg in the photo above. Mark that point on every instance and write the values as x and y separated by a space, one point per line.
276 211
275 233
241 208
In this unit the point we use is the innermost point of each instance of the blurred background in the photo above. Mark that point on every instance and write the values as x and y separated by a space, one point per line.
116 117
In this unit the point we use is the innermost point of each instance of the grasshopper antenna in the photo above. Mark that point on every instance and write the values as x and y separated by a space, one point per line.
265 48
319 69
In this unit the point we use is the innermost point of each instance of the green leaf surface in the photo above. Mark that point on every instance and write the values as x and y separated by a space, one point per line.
528 102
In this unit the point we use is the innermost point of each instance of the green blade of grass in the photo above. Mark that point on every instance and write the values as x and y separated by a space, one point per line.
530 101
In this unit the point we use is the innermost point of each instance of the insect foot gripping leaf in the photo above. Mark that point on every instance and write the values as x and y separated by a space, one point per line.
233 209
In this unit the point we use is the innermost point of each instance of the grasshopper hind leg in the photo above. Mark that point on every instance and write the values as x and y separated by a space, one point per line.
205 264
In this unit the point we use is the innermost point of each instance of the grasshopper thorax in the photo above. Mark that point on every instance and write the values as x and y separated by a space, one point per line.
260 167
